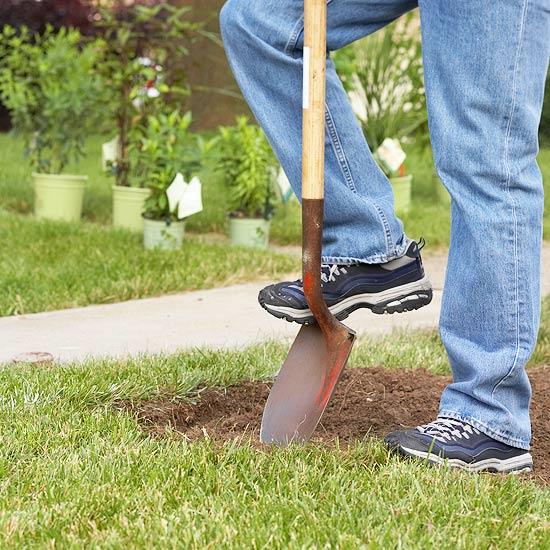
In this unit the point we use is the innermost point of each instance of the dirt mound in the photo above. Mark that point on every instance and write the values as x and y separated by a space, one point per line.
370 401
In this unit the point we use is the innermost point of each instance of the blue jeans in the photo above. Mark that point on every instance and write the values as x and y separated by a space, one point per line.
485 66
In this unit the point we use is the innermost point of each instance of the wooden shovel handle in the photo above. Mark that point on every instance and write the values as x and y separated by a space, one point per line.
314 94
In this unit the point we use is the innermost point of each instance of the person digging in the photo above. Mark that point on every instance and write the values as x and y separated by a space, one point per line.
485 65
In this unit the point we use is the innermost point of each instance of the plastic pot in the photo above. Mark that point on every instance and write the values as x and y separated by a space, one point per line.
252 232
163 235
128 206
59 196
402 192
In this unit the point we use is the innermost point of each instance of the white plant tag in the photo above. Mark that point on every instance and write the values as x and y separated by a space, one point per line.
391 154
176 191
191 202
109 154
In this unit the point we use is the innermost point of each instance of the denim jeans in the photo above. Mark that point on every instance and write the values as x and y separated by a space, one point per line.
485 65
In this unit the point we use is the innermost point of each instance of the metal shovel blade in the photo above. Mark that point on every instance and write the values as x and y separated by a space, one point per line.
304 385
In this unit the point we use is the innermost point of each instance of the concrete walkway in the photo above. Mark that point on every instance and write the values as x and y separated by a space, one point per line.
218 318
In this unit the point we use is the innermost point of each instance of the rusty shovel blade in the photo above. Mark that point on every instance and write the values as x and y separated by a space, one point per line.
305 384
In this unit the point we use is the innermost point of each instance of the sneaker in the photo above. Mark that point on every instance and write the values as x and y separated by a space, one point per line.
461 446
396 286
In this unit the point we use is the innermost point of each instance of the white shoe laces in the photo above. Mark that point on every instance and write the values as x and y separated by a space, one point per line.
448 429
333 272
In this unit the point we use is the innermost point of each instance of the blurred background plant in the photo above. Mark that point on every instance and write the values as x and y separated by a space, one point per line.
51 87
162 148
384 78
247 164
136 41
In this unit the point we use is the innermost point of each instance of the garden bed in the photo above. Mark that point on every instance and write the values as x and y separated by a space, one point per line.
370 401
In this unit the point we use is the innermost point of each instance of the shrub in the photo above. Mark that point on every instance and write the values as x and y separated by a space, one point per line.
160 149
49 85
247 165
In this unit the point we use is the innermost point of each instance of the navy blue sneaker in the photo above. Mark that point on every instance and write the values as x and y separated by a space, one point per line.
396 286
448 441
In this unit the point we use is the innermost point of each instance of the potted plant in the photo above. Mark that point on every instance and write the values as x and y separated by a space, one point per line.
49 84
166 158
137 42
246 164
391 158
383 76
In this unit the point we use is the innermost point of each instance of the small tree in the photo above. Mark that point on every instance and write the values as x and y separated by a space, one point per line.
48 83
136 42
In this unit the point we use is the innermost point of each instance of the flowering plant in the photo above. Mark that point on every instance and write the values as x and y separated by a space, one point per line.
136 42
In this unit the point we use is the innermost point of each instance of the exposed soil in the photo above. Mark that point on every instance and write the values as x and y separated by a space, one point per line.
370 402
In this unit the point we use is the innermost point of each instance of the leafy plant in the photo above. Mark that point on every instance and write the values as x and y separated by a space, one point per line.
137 41
160 149
48 83
383 75
247 165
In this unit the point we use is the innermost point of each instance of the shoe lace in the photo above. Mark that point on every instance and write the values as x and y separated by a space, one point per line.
330 272
448 429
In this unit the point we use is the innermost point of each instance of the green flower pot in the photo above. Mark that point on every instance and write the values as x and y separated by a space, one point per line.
159 234
59 196
128 206
252 232
402 192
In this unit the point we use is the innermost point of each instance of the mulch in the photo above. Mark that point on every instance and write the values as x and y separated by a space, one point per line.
367 402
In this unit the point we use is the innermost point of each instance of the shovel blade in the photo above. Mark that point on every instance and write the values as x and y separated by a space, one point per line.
304 385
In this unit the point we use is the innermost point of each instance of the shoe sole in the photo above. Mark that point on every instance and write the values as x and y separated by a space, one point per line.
522 464
399 299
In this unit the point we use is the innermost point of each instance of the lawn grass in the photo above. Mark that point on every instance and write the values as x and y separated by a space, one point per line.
49 265
75 473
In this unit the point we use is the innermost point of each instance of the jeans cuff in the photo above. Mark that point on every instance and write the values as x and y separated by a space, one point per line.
398 252
482 427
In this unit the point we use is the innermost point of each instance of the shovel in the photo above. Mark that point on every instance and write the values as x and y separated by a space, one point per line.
309 375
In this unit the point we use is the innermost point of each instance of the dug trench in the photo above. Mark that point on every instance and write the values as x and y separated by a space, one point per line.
367 403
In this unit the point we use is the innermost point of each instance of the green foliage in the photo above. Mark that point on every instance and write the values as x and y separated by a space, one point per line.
48 83
137 41
161 148
247 164
385 77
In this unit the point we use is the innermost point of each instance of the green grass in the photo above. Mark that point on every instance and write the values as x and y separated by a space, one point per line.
48 265
74 473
